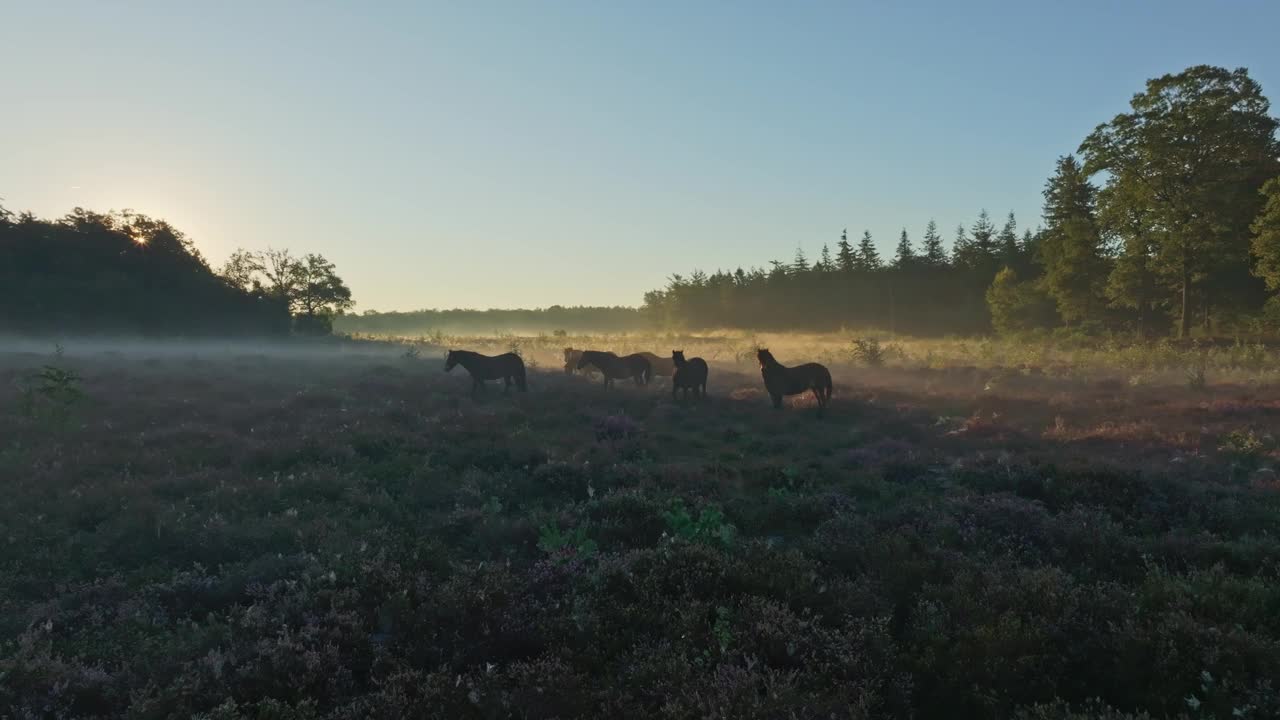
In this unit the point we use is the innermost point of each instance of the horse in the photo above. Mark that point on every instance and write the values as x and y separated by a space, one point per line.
689 375
660 365
613 367
508 366
571 358
780 380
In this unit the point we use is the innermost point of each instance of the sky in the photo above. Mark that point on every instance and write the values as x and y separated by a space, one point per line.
524 154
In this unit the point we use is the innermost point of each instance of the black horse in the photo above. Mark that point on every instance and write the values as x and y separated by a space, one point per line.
780 381
613 367
507 367
690 374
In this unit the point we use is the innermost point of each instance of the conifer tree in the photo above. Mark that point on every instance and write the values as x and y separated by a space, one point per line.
867 258
844 252
904 255
1071 251
801 263
1007 242
933 253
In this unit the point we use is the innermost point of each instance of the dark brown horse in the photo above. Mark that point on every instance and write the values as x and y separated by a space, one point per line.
660 365
690 374
507 367
571 358
614 367
780 380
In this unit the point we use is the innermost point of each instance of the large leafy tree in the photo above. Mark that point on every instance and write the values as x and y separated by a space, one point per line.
309 285
1266 236
1193 151
1266 245
319 291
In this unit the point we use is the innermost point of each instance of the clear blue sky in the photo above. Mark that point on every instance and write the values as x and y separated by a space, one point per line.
490 154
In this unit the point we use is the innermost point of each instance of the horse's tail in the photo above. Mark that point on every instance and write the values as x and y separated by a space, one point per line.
520 378
648 372
827 384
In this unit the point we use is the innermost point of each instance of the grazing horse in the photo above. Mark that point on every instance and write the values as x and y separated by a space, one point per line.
780 381
507 367
614 367
690 374
660 365
571 358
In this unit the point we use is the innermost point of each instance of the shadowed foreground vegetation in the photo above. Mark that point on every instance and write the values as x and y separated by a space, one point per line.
344 533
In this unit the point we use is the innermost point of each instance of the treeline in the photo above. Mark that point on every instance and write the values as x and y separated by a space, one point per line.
119 273
1169 221
556 317
127 273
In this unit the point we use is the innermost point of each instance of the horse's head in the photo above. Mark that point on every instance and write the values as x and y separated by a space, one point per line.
765 357
451 360
677 357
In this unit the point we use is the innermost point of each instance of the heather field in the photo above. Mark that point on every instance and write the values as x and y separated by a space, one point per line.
977 528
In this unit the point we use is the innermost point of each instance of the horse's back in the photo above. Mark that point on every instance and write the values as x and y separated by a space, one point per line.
660 365
693 372
813 368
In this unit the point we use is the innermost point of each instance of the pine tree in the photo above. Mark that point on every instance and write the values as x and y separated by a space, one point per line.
824 261
983 236
1027 245
1075 270
844 252
904 255
867 258
801 263
960 247
934 254
1010 251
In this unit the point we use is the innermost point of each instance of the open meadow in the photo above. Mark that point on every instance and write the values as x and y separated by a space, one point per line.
338 529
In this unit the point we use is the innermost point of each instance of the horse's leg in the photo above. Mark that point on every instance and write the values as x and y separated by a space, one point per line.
777 402
506 385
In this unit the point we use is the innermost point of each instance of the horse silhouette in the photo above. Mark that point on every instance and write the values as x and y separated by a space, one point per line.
613 367
690 374
660 365
571 358
780 380
507 367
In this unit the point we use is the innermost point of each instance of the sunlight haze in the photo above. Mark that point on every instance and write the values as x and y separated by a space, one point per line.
529 154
